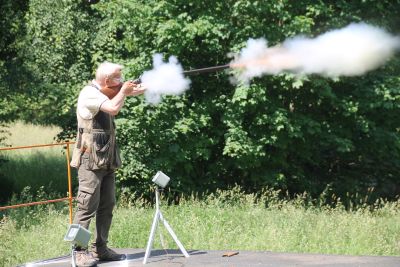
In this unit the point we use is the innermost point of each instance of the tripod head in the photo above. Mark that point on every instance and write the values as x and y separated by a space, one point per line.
161 179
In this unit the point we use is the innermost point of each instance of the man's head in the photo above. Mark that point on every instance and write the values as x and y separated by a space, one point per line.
109 74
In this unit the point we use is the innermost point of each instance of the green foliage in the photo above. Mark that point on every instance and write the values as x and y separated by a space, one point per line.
216 222
62 31
32 167
50 60
289 132
36 169
296 133
11 30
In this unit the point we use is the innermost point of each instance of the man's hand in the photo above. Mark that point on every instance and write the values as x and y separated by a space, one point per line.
138 89
129 88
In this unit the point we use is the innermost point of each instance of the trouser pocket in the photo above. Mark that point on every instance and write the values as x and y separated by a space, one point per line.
87 200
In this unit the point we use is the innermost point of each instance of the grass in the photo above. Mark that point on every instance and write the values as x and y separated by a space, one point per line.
245 222
34 167
22 134
225 220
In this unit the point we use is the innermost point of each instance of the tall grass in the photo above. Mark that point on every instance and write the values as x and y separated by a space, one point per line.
22 134
34 167
222 221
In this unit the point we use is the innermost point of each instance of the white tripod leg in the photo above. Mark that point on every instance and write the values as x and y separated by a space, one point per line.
158 216
151 237
171 232
73 255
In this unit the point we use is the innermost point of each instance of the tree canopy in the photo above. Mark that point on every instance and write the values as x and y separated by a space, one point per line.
296 133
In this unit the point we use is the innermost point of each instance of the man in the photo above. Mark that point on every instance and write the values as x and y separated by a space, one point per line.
96 156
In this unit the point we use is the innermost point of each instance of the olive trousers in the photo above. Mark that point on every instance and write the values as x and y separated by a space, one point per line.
96 197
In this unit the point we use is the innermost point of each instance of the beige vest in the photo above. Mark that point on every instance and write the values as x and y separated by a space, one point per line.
96 138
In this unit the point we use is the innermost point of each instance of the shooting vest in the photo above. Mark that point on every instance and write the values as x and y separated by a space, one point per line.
96 140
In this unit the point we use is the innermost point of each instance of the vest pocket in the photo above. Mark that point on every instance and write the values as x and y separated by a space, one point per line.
102 149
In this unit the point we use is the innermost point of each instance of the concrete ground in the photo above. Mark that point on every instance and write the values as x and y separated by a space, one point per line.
201 258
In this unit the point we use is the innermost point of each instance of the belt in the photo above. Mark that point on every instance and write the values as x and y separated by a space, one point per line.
85 150
84 130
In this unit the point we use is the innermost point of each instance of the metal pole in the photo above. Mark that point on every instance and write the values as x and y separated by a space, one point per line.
195 71
73 258
172 233
209 69
69 186
158 216
157 199
153 230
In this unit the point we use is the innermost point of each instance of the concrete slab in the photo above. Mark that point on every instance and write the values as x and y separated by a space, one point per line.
174 258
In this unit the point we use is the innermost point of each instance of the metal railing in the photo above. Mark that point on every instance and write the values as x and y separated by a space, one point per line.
69 198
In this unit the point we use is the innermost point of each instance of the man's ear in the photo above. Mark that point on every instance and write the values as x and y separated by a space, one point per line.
106 81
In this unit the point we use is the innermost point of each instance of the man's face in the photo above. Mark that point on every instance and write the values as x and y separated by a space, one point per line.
114 79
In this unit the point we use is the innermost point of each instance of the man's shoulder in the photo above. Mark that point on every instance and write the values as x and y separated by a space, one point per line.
90 86
89 90
91 98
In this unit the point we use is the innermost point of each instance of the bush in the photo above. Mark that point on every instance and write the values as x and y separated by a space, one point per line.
298 134
294 133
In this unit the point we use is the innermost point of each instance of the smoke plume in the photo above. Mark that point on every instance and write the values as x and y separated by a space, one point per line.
350 51
164 79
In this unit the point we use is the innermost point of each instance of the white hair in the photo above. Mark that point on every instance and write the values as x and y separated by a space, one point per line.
106 69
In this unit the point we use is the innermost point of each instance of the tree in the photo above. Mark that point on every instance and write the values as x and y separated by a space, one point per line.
283 131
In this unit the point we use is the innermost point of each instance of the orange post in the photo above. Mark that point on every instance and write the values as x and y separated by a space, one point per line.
69 186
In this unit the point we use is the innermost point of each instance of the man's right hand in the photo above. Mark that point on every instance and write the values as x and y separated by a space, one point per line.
128 87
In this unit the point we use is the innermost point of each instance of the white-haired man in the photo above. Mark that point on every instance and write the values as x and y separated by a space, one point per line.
96 156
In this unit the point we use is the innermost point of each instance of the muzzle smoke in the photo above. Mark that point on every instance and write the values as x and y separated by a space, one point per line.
350 51
164 79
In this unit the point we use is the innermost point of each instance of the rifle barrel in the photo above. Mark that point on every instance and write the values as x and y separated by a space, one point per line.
194 71
209 69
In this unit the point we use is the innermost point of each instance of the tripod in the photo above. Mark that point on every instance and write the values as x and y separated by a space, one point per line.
159 217
78 236
73 256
